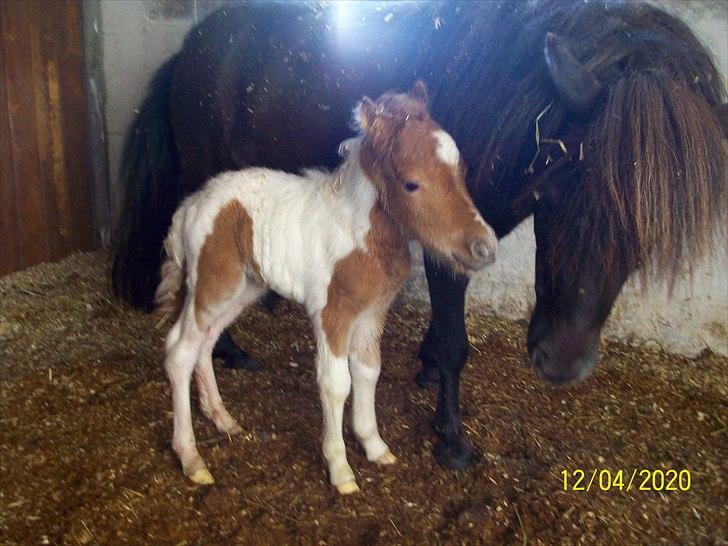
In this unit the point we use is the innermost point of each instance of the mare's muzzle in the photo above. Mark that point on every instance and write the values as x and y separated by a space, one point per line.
562 355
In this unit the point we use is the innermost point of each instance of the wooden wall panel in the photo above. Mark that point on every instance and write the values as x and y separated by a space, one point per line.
46 188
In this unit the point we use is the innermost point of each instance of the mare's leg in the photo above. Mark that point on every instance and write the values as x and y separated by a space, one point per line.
232 355
184 342
365 364
445 349
334 381
210 399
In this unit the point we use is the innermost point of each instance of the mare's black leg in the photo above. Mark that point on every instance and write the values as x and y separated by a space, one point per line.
445 350
233 355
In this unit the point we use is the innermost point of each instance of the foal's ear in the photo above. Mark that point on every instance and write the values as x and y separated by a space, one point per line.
419 91
346 146
366 114
576 85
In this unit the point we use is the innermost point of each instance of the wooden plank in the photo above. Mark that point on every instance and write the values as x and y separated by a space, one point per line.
21 60
47 21
67 180
9 256
73 106
45 187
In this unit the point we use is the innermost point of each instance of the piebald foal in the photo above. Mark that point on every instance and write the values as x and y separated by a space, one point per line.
336 243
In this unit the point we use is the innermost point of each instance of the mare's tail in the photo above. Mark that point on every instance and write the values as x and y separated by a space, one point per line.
150 176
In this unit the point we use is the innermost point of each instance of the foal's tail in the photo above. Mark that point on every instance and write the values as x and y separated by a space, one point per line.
150 177
170 294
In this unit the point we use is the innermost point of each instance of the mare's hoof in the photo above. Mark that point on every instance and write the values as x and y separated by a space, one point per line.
347 488
202 476
242 361
428 378
270 301
386 459
455 456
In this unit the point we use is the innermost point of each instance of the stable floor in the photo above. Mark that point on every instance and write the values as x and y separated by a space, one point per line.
85 424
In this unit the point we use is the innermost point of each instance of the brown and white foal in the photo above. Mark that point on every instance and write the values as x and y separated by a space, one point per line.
336 243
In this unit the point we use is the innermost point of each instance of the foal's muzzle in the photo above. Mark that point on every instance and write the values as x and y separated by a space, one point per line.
479 252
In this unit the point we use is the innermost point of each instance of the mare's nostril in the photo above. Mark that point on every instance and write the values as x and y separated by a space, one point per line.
482 252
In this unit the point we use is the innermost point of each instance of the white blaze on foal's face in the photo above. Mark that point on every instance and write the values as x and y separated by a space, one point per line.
447 150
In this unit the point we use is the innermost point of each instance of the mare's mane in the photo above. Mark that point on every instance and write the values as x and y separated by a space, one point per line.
639 182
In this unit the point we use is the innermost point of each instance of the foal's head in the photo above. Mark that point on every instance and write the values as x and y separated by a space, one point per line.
420 177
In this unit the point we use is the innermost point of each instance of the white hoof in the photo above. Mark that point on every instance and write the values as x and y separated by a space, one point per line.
202 476
232 429
386 459
347 488
225 423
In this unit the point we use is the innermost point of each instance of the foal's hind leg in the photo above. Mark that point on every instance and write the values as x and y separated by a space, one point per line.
219 317
183 347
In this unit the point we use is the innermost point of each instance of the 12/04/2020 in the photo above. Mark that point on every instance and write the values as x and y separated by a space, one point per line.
625 480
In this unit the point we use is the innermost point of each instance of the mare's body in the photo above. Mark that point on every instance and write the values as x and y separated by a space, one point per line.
628 171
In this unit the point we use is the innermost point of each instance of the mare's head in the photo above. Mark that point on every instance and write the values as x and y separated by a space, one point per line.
420 177
642 186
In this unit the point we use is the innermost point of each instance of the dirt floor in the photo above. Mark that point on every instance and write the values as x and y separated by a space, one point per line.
85 427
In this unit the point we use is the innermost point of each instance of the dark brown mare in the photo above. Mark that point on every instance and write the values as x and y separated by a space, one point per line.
603 120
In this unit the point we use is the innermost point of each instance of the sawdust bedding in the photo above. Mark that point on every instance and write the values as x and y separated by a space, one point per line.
85 424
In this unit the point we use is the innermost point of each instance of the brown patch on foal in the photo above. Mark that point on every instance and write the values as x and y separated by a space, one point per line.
365 278
224 257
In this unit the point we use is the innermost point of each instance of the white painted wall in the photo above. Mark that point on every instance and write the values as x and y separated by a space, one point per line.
137 38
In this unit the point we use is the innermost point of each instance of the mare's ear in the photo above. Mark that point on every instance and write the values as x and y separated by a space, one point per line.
419 92
367 114
576 85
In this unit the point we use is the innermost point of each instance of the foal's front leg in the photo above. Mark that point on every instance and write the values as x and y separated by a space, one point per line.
365 364
334 381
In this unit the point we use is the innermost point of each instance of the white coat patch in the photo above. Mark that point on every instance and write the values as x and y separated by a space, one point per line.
447 150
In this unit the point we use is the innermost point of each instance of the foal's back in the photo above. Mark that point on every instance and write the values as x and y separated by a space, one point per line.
299 226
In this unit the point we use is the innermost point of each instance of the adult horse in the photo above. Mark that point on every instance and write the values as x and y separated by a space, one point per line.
603 120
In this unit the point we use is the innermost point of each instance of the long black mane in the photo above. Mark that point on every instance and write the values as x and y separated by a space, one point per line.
640 180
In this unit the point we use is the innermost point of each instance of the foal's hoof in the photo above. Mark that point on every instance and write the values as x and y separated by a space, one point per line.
242 361
455 456
202 476
233 430
229 427
428 378
386 459
347 488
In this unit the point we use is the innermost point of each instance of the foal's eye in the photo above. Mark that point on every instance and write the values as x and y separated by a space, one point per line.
411 186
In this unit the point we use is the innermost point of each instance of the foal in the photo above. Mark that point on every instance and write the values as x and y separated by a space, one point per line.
336 243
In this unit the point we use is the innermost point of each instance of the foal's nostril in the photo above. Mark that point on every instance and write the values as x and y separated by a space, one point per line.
482 252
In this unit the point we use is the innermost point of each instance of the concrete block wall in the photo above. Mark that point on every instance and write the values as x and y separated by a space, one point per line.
139 35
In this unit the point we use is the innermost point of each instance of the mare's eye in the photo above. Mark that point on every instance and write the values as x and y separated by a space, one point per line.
411 186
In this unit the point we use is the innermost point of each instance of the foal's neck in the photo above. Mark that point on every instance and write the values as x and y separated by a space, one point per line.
359 192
